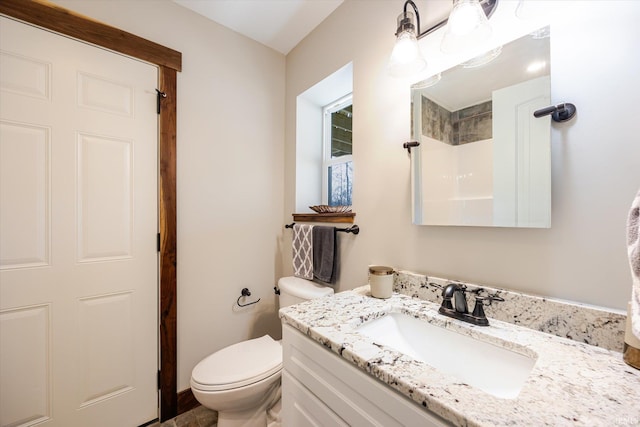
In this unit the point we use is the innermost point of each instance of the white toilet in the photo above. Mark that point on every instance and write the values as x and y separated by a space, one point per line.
242 381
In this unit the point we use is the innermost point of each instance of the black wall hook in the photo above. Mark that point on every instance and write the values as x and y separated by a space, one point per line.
559 113
246 293
410 144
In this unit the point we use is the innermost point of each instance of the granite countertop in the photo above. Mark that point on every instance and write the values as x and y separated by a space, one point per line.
572 383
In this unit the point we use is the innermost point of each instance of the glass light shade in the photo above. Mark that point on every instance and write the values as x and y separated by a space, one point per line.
406 58
483 59
431 81
467 27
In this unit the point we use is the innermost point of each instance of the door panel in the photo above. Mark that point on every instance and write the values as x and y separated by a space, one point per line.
107 356
24 158
25 76
25 364
78 217
105 193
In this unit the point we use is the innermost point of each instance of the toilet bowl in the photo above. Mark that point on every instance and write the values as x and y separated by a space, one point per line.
242 381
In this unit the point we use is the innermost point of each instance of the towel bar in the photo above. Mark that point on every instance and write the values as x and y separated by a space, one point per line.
354 229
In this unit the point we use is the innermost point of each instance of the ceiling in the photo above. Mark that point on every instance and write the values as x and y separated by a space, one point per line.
279 24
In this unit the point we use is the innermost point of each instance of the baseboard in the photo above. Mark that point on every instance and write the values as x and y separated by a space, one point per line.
186 401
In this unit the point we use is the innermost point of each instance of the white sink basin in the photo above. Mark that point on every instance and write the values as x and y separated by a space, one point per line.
496 370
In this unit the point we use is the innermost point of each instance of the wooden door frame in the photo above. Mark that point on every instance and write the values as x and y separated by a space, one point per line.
60 20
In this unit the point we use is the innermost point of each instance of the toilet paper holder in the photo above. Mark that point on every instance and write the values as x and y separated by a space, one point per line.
246 293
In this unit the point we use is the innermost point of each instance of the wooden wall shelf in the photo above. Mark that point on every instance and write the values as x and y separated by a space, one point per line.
344 217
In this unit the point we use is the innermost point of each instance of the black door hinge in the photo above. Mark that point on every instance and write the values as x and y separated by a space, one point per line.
160 96
158 242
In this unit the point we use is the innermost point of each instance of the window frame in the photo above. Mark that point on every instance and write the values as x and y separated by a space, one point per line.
327 160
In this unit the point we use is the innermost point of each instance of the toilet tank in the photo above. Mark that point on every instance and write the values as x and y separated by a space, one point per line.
294 290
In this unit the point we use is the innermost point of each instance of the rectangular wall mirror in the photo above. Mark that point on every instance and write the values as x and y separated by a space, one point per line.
483 159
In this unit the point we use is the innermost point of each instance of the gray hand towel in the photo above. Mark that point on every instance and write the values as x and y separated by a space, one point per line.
324 254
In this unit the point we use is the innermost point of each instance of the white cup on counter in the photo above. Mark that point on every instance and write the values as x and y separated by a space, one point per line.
381 281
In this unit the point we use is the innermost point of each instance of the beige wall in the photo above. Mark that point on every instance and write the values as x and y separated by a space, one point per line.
595 157
230 163
232 202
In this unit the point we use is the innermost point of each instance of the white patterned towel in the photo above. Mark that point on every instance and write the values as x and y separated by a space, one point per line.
303 251
633 250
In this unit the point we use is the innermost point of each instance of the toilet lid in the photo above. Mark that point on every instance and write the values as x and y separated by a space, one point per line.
238 365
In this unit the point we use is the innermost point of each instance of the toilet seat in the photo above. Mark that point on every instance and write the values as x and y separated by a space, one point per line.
238 365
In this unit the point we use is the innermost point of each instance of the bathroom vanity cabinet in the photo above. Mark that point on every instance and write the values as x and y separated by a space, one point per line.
334 374
320 388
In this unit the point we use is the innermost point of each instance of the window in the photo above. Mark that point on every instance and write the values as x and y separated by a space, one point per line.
315 152
337 164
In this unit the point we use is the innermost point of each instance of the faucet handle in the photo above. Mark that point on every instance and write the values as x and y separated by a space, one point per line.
494 297
478 309
435 285
488 297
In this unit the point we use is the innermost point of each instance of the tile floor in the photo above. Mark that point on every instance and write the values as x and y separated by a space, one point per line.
197 417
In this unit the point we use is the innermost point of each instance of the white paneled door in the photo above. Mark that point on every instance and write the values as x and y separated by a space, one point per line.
78 226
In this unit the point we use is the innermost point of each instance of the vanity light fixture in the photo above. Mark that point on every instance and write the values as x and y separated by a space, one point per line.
468 24
406 58
464 27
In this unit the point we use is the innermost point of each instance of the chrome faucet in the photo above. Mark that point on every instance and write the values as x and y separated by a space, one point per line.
454 304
